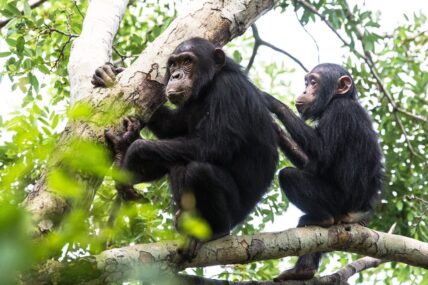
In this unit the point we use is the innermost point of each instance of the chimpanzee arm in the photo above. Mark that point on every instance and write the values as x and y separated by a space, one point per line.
305 136
290 148
165 151
166 123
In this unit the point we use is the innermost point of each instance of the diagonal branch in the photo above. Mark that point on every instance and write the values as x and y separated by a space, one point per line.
93 47
259 42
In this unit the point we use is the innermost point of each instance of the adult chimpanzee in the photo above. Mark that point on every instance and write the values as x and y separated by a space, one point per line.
342 176
219 144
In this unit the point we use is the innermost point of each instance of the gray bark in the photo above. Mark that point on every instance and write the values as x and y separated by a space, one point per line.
160 260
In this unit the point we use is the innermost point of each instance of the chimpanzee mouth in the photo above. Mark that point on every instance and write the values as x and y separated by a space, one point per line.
174 93
175 96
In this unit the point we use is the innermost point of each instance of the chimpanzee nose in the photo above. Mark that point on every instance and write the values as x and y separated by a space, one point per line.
178 74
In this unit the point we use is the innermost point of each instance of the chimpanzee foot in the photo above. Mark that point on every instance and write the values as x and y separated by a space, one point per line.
128 193
190 249
296 274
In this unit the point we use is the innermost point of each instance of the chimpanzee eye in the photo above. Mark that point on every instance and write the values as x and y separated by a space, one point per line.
187 61
313 82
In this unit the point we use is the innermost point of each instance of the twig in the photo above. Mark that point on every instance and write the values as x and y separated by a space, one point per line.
255 49
259 42
61 53
78 9
122 56
36 4
310 35
314 10
413 116
53 30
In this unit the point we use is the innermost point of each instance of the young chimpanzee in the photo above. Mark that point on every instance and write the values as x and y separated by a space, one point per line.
219 145
342 176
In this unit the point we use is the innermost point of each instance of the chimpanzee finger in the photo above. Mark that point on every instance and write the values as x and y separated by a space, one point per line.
111 139
97 81
126 123
118 70
109 69
136 125
104 76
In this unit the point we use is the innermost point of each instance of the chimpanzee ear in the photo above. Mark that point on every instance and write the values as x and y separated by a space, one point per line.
219 57
344 84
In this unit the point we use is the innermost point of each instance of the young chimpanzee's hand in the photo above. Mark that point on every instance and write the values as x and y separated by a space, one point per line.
105 76
119 144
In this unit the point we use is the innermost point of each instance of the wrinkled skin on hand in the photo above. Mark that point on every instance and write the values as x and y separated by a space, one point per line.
105 76
120 143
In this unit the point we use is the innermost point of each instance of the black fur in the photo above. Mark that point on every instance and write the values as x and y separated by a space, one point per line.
344 172
220 144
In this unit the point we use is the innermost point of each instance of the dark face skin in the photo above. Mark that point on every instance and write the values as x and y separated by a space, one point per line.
312 88
183 70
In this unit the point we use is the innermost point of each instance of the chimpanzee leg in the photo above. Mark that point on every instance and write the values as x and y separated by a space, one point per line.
316 199
143 168
311 195
216 196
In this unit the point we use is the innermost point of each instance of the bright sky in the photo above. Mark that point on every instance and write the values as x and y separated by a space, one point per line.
284 31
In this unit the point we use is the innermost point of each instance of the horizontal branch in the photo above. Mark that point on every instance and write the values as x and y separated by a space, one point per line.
139 261
338 278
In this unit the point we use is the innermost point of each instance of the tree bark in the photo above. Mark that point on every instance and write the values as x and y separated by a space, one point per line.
144 260
138 89
93 47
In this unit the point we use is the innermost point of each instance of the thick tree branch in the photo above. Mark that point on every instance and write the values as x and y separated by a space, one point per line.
93 47
140 261
138 89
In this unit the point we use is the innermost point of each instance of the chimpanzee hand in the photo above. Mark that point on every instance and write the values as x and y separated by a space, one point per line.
119 144
105 75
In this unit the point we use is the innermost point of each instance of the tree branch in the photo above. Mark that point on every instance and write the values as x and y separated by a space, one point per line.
141 261
259 42
35 4
93 47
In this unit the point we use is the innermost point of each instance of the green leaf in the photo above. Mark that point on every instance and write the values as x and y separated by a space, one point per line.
11 8
20 43
27 9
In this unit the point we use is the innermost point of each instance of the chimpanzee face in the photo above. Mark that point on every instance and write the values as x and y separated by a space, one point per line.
191 67
308 97
182 69
321 86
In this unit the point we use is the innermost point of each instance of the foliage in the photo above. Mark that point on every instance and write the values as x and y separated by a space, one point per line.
34 50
